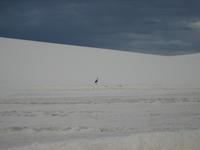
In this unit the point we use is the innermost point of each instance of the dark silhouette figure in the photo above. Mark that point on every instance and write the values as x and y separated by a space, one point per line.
96 81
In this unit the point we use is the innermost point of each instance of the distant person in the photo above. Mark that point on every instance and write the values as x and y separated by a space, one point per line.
96 81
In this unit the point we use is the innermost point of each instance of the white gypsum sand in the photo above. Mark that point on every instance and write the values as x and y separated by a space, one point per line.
36 64
146 141
48 98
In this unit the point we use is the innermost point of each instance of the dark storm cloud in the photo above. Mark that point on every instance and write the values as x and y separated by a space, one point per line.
158 26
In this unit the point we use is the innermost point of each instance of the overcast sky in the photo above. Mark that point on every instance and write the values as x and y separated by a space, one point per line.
150 26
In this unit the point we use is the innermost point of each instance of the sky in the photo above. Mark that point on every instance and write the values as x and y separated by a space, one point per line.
167 27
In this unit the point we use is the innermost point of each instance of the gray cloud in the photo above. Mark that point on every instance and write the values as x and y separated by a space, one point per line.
194 25
159 26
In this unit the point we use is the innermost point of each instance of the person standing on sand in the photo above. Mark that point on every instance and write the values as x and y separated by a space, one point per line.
96 81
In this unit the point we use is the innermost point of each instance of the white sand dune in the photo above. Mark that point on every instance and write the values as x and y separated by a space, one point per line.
48 98
28 64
